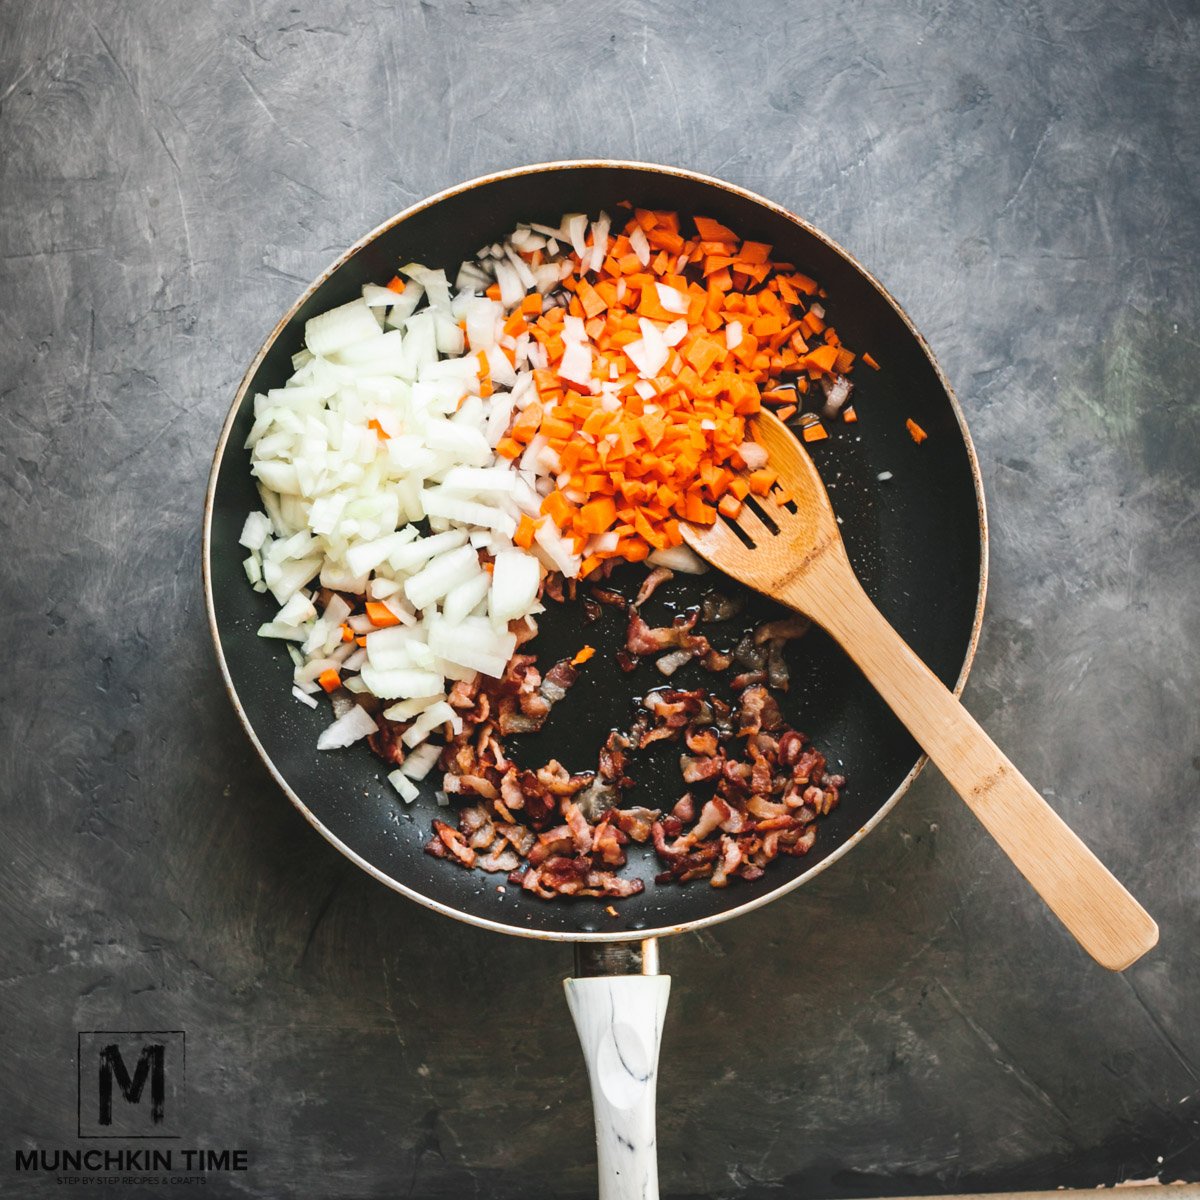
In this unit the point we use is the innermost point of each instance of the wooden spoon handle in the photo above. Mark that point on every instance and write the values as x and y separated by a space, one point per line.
1103 917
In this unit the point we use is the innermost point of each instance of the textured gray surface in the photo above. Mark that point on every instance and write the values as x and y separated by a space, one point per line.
1024 178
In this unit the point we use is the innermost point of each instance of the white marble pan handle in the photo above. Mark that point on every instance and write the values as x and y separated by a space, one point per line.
619 1019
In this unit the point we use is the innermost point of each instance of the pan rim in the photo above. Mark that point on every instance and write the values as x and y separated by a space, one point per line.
210 604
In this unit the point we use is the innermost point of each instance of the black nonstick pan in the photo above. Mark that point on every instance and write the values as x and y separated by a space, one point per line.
913 520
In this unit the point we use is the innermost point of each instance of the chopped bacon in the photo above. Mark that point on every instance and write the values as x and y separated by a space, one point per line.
651 584
701 767
557 833
502 858
636 822
640 638
607 844
386 741
716 661
577 823
454 842
758 711
597 798
613 757
794 626
555 778
552 587
463 693
610 597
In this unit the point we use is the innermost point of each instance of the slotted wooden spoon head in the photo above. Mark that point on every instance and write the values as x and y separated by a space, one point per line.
788 545
792 533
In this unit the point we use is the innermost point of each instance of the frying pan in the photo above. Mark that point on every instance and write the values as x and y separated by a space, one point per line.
913 520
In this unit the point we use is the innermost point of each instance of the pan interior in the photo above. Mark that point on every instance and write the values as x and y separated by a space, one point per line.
915 537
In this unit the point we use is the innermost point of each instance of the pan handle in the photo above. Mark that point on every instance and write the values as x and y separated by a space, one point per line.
619 1017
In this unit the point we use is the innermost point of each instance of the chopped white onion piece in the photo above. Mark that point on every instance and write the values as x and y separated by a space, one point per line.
421 761
405 786
353 725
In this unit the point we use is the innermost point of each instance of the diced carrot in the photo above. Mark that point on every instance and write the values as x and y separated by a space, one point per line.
870 361
823 358
379 429
347 634
669 450
380 614
814 432
917 434
762 480
525 532
713 231
584 654
849 415
597 515
329 679
395 284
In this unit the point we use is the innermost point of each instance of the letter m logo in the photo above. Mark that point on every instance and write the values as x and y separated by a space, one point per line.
130 1083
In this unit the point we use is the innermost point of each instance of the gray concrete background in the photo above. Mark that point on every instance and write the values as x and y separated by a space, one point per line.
1024 178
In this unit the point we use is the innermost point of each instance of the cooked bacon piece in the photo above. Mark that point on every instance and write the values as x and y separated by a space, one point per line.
610 597
473 783
476 826
747 654
783 630
636 823
790 746
552 842
540 806
675 708
577 823
715 661
524 629
555 778
454 842
605 883
778 675
747 679
520 837
762 774
685 808
501 858
758 710
607 844
809 767
598 798
613 757
760 806
731 858
803 843
711 816
511 792
567 876
552 587
698 768
651 584
701 741
558 679
591 611
716 607
626 661
640 638
386 742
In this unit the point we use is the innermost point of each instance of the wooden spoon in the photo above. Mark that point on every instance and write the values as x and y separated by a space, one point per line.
803 563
